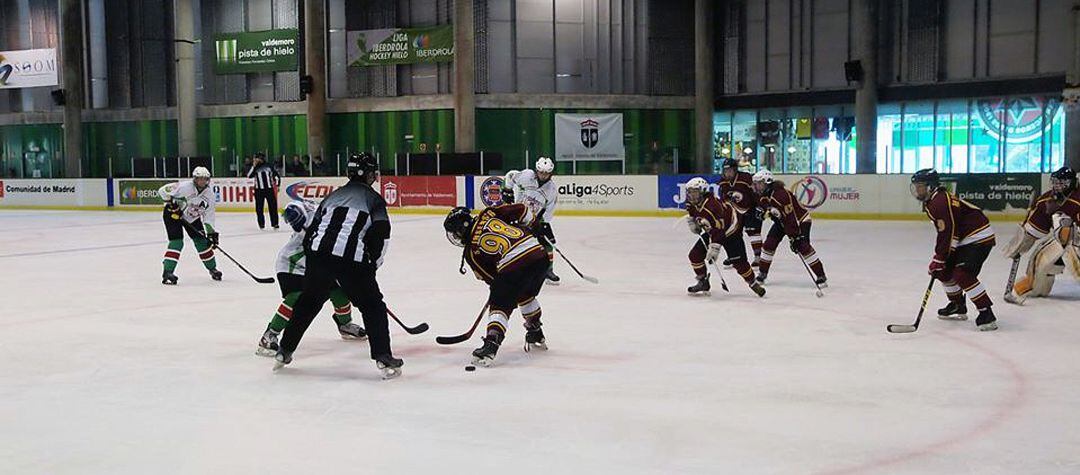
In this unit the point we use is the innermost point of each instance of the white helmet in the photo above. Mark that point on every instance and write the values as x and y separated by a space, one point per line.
544 165
200 172
697 183
763 176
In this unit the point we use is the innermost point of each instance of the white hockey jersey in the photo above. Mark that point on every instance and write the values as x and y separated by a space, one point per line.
528 190
194 204
290 258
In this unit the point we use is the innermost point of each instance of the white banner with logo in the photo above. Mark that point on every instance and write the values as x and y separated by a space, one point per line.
589 137
28 68
48 192
583 193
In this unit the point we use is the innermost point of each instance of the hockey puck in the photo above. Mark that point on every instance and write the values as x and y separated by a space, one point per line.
470 368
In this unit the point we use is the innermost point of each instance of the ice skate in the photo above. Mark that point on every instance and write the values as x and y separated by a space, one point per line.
534 339
389 366
282 359
552 278
822 282
485 355
215 274
758 288
352 331
986 321
268 344
702 286
953 311
168 278
761 276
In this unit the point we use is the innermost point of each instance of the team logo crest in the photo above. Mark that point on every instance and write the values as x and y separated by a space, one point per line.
590 133
491 191
1017 119
390 192
810 191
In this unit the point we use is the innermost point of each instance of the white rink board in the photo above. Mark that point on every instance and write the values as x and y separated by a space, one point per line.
53 192
129 377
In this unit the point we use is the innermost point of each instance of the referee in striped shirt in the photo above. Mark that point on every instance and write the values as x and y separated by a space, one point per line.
266 181
345 244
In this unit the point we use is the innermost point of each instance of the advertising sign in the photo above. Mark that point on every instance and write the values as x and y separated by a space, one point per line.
400 46
230 192
584 193
996 192
419 190
256 51
48 192
589 137
28 68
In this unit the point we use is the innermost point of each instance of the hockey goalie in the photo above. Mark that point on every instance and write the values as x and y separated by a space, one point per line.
1050 256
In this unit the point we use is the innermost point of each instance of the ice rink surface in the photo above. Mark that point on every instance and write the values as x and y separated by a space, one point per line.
104 370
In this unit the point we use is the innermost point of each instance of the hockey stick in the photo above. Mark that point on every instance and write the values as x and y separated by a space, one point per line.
911 328
1012 281
421 328
813 278
453 340
723 283
588 278
261 280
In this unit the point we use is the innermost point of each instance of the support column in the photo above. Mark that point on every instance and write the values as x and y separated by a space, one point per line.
865 20
71 51
184 41
464 78
703 86
315 65
1072 80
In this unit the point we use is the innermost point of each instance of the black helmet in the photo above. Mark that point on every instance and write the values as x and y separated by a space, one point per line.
929 176
1063 181
361 164
457 225
730 163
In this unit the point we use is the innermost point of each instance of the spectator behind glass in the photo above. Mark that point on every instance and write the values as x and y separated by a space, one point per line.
297 167
318 167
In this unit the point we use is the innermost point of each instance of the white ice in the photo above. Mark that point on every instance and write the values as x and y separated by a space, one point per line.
104 370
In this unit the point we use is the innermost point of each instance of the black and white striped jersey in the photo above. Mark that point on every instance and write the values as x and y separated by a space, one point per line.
265 176
351 223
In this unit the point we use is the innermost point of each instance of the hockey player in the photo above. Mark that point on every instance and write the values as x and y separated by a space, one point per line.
1055 243
537 190
290 276
504 251
344 245
716 223
737 188
789 219
964 240
189 206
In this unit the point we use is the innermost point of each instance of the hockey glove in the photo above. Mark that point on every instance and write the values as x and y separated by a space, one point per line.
713 253
797 243
507 195
173 209
759 214
937 268
213 237
545 230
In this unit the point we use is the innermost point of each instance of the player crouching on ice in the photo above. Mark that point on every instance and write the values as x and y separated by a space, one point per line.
504 251
189 206
290 269
964 240
716 223
790 219
1057 245
536 189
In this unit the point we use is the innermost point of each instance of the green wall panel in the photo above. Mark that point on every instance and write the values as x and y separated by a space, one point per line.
384 133
119 141
25 148
652 137
230 139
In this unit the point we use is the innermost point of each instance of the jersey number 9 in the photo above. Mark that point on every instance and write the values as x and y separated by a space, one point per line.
497 237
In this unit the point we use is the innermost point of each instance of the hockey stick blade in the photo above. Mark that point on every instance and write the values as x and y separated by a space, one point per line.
453 340
898 328
421 328
587 278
